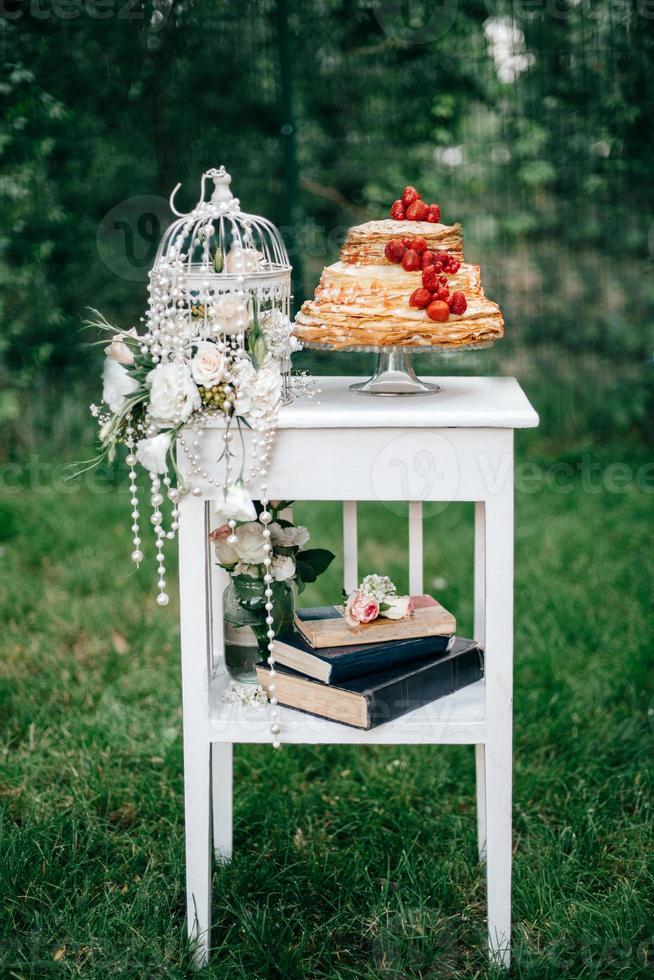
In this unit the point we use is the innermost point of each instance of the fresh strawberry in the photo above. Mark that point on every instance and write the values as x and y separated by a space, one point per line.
420 297
394 250
430 279
458 304
433 214
409 195
427 258
411 260
443 293
439 311
416 211
419 245
438 266
397 211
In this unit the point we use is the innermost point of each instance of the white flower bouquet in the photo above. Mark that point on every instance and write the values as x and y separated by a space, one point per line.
242 551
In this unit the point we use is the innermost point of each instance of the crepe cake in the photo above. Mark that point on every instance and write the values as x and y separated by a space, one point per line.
401 281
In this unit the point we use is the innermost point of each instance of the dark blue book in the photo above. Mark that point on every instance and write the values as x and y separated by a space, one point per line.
365 702
332 665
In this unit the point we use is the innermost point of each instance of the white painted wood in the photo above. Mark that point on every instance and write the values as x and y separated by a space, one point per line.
480 788
456 445
499 713
350 546
480 572
480 634
470 402
415 549
376 464
221 799
193 592
456 719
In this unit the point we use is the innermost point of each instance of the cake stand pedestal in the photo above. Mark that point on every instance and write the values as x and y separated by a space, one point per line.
394 375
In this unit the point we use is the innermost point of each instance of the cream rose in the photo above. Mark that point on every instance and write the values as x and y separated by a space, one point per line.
117 385
361 608
250 543
209 365
119 350
152 453
283 568
173 393
399 607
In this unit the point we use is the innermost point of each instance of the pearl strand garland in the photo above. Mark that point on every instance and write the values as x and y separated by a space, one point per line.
137 554
160 536
265 517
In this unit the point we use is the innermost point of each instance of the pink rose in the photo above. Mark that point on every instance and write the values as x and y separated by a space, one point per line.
226 555
361 608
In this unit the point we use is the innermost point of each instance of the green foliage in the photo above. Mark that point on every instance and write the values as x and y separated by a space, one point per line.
349 861
549 170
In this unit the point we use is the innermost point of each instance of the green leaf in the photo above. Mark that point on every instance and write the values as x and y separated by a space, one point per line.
318 559
305 571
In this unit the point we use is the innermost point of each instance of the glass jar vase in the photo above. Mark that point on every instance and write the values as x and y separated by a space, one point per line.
244 623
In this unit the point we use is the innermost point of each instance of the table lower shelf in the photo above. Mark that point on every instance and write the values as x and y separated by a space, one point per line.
456 719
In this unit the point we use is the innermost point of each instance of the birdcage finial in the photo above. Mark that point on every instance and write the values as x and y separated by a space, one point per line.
221 179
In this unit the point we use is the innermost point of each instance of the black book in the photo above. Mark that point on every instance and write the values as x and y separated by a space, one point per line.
332 665
365 702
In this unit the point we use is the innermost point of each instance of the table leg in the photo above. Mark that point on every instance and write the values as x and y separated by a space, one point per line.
480 635
195 703
499 708
221 799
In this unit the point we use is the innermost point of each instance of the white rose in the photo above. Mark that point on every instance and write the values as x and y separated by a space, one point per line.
229 312
152 453
119 350
235 504
250 543
399 607
259 395
117 385
288 537
168 383
246 378
283 568
209 365
241 259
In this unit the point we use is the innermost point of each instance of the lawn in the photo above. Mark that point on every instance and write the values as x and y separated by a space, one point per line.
349 862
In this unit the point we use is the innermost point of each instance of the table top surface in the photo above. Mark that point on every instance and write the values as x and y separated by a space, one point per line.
476 402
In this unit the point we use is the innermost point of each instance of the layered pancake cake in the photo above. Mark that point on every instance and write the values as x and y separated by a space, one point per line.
400 282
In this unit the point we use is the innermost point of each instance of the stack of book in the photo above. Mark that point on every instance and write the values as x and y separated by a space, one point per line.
371 673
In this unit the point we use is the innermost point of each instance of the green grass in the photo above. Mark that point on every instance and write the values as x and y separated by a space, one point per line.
349 862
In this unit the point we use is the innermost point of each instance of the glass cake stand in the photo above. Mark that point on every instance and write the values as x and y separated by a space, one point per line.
394 373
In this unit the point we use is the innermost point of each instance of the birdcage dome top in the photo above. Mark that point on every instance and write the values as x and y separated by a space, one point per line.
221 247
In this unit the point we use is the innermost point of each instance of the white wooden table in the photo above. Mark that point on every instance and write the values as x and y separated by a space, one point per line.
455 445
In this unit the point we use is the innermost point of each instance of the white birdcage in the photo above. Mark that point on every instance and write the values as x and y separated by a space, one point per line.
219 274
215 350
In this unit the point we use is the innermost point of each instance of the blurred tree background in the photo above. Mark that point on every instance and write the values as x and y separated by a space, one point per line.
529 121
